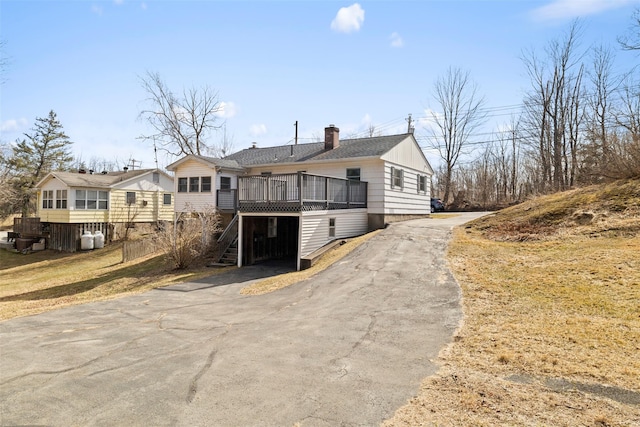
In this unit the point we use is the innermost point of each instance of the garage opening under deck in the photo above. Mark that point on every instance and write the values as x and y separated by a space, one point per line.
270 207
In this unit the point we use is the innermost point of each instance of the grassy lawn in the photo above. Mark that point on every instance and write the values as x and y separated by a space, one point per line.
46 280
551 333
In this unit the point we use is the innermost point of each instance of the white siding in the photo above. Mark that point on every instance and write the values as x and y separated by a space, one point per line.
315 227
194 201
234 180
406 200
145 183
409 154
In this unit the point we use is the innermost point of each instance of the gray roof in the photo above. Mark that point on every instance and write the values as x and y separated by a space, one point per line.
212 161
347 149
223 163
99 180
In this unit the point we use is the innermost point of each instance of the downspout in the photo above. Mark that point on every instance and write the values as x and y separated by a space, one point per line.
240 249
299 242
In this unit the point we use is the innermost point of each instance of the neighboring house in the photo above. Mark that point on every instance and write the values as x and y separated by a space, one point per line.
110 201
291 200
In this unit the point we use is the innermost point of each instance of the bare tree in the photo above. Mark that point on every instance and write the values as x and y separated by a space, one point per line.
225 147
182 124
627 145
631 40
596 153
553 108
461 114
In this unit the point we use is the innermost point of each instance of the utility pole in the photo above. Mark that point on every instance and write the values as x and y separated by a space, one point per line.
409 121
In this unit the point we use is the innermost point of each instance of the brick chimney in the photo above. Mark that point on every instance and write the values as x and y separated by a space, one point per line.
331 137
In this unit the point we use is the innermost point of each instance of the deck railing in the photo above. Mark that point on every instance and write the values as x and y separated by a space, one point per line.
299 192
227 200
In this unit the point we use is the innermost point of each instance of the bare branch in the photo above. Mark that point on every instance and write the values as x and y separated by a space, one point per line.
182 125
461 115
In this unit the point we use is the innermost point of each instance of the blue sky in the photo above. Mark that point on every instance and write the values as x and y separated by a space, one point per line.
351 64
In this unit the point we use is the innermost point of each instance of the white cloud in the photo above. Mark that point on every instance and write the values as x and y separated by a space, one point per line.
227 110
118 1
428 121
396 40
348 19
143 6
13 125
563 9
257 130
366 120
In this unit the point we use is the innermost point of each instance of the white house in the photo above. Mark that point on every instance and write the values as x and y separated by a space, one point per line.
291 200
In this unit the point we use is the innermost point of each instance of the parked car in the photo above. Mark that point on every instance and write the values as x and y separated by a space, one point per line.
437 205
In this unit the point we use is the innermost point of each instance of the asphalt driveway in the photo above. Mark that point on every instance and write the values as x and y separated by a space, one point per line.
346 347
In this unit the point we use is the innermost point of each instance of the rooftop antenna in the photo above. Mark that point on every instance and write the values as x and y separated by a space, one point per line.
133 163
155 152
296 139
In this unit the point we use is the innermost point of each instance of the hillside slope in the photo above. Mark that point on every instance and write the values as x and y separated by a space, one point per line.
551 329
600 210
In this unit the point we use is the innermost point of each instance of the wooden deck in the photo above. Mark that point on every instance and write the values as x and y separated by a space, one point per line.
299 192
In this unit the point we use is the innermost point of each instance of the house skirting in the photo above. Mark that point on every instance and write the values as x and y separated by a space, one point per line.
377 221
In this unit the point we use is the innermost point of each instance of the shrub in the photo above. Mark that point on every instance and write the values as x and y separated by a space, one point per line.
190 238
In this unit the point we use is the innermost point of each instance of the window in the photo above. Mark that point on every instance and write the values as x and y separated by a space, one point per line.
103 200
206 184
272 227
397 178
182 185
225 183
332 227
194 185
166 200
91 199
131 198
81 199
353 174
422 184
47 199
61 199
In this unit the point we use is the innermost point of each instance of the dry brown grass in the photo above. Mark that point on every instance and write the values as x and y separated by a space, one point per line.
43 281
561 303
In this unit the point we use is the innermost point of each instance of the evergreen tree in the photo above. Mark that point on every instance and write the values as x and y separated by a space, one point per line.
46 149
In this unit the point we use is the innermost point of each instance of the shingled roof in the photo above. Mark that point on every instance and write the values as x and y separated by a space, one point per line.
210 161
347 149
76 179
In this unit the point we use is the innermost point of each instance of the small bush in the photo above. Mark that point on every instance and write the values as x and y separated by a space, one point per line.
190 238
